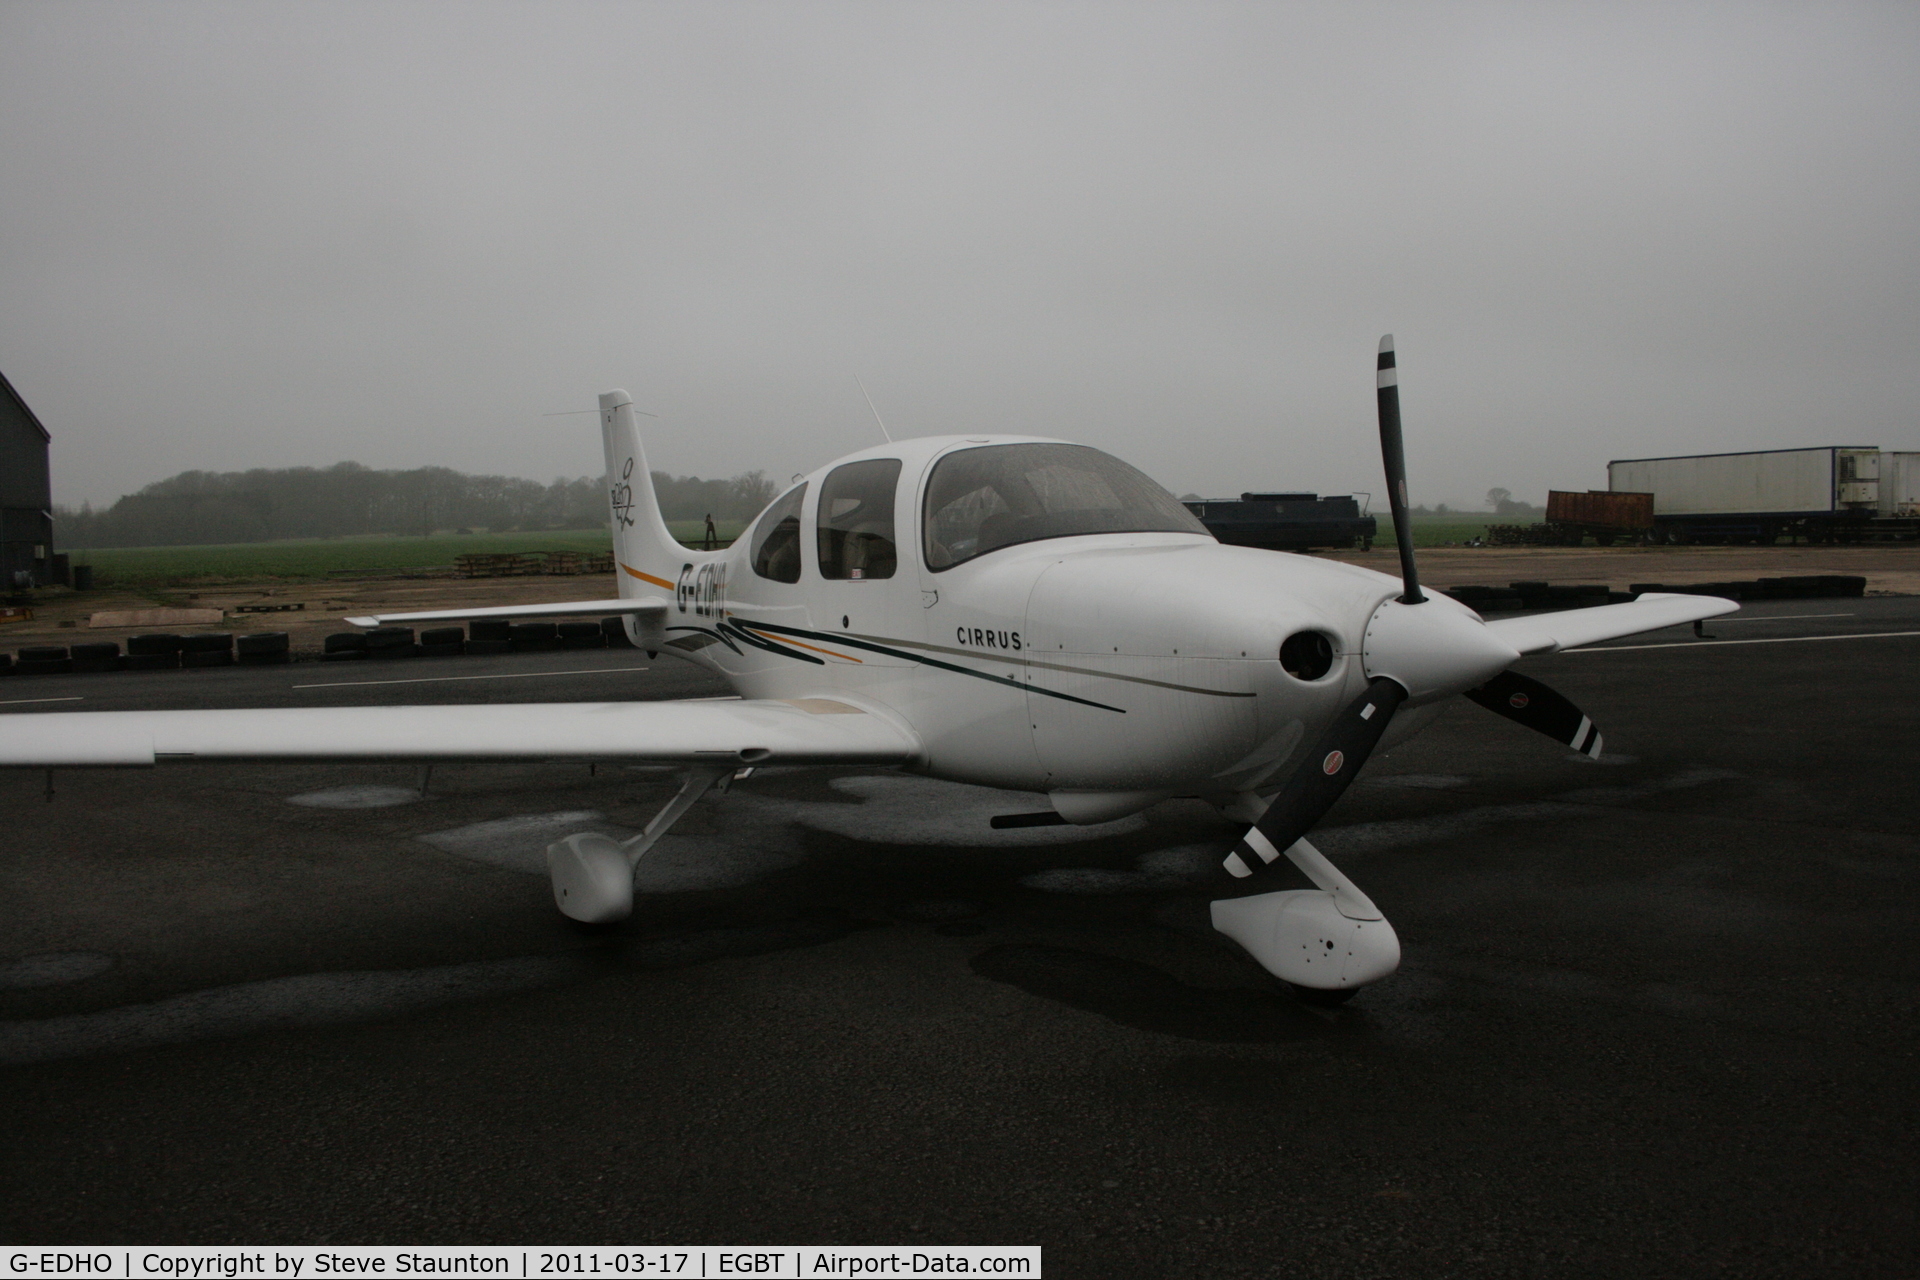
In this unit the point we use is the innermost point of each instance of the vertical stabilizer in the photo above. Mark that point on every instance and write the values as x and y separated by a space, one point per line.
646 558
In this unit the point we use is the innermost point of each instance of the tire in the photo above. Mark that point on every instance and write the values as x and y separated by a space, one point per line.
153 661
490 629
264 659
207 658
97 666
346 642
96 649
262 642
1320 998
344 655
393 652
489 646
443 635
388 637
207 642
43 653
44 666
150 645
441 650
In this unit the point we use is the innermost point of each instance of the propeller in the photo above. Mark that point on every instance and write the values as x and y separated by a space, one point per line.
1410 652
1321 778
1526 701
1394 456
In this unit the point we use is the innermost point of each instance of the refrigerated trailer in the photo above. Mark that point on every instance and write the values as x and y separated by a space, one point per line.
1826 494
1900 484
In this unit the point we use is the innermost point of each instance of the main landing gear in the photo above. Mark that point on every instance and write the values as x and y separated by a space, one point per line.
593 874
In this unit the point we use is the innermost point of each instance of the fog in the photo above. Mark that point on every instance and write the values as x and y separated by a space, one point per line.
273 235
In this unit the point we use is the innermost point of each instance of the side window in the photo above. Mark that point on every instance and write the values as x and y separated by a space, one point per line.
776 539
856 520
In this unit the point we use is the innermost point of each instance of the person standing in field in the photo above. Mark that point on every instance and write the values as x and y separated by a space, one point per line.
713 535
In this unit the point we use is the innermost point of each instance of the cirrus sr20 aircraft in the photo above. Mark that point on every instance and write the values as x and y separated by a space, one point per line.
1009 611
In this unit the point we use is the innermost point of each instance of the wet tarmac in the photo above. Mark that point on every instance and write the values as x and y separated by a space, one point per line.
1657 1014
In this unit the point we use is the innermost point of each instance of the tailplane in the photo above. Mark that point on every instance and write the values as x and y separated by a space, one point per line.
646 558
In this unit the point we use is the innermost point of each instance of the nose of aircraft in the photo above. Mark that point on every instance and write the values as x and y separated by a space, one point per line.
1433 649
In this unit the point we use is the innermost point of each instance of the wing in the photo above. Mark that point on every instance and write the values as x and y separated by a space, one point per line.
641 606
1552 632
801 731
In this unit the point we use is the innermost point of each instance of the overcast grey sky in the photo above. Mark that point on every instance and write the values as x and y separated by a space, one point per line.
237 235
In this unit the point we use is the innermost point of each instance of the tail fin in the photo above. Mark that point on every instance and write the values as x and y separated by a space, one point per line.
645 556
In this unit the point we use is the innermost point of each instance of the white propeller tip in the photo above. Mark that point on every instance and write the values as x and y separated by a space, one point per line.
1386 343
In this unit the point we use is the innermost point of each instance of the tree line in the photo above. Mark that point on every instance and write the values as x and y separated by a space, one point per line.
201 507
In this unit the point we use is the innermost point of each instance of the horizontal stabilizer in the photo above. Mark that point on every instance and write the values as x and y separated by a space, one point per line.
641 605
731 732
1571 628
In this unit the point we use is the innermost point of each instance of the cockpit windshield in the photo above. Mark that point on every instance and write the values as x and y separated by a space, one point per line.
979 500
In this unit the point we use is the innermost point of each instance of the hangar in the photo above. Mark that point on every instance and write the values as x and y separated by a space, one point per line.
26 495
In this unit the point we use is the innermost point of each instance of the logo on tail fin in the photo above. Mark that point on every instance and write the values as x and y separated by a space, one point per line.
623 497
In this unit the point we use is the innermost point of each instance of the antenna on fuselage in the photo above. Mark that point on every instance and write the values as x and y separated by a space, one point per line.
876 413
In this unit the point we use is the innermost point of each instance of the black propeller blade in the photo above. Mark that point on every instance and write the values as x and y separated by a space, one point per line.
1320 778
1394 454
1323 775
1528 702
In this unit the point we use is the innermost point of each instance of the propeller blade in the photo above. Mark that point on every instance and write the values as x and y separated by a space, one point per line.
1320 778
1526 701
1394 455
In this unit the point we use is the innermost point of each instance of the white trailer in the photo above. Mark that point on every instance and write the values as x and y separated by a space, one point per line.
1829 493
1900 485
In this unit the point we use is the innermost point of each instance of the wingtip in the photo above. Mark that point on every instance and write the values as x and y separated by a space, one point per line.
362 622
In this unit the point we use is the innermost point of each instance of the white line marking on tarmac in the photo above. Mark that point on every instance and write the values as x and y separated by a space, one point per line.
1701 644
14 702
509 675
1784 617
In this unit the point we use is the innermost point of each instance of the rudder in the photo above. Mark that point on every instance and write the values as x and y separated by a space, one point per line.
645 555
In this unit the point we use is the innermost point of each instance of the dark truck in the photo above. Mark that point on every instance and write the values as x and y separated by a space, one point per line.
1287 521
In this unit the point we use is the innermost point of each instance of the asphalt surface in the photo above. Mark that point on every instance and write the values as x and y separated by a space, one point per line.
1656 1016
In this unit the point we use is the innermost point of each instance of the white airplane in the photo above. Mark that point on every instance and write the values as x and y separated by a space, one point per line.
1010 611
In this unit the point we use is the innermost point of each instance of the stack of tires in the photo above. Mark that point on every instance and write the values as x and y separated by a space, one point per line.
97 655
43 660
153 652
442 642
386 643
615 630
490 635
207 649
264 649
535 637
345 646
582 635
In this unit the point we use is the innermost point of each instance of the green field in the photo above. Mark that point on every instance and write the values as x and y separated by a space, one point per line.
1434 533
311 558
323 557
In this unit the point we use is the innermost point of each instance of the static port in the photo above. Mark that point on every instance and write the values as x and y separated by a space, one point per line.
1307 655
